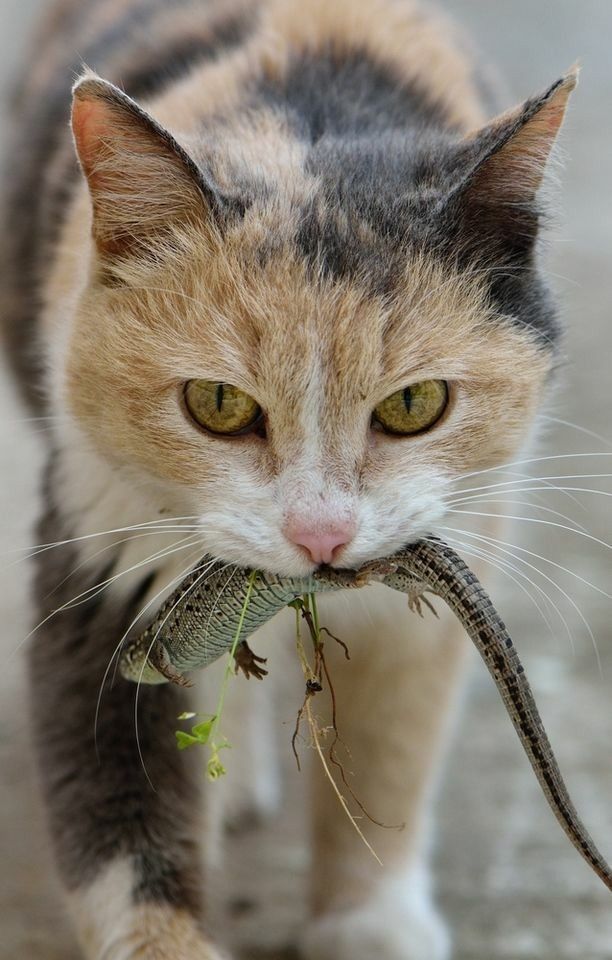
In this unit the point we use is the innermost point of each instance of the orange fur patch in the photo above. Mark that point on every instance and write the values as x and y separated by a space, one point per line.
210 312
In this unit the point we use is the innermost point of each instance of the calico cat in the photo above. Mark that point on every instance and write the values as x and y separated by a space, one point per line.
279 291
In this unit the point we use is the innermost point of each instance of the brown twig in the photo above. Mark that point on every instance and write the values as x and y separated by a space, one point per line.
313 686
340 642
338 763
315 736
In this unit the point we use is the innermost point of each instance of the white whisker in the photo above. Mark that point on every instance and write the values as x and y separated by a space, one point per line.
141 612
576 426
145 525
538 480
522 463
109 546
99 588
521 477
87 595
182 597
218 597
503 566
475 499
547 489
548 523
500 545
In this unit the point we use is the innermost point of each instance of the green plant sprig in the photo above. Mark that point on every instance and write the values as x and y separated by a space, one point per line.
205 733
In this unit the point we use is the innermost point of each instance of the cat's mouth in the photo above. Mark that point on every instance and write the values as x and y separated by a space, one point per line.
223 611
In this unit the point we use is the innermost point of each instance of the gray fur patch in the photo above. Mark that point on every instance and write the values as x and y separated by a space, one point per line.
107 796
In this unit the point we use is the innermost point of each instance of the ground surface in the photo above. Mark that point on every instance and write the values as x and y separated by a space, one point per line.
511 885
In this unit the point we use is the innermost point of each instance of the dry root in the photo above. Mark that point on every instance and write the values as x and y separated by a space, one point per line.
316 675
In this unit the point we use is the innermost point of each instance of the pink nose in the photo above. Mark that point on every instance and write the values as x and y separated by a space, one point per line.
321 545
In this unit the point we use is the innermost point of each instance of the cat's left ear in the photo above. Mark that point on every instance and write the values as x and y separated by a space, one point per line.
507 161
142 182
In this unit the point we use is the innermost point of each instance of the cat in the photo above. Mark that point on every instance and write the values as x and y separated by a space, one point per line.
278 289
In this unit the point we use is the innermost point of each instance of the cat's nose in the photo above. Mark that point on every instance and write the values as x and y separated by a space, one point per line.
320 544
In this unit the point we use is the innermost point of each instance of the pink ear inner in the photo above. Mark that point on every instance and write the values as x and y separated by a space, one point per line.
90 124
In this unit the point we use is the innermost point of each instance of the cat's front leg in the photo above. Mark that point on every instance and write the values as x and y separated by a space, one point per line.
393 701
122 801
112 924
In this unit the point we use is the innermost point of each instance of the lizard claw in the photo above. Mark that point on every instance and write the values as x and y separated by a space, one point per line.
416 597
249 662
159 660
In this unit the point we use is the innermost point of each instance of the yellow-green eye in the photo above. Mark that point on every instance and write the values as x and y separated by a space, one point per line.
413 409
220 407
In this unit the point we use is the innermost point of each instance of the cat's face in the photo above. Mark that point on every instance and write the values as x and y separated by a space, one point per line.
318 353
318 357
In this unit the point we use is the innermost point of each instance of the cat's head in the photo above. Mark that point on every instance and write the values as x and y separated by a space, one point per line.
305 345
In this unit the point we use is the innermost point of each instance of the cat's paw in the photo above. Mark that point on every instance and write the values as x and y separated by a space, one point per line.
167 945
398 923
157 951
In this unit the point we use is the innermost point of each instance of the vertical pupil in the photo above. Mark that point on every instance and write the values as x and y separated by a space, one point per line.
408 398
219 397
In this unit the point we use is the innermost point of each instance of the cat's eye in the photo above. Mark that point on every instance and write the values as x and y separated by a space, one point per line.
221 408
413 409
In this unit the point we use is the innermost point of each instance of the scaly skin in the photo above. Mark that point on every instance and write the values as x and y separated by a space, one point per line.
198 623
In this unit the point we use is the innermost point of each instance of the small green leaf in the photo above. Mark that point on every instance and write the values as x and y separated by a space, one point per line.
184 740
203 730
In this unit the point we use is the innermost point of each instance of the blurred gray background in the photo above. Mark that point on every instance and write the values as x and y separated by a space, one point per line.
509 881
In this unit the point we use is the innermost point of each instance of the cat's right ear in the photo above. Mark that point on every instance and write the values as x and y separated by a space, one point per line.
494 205
141 180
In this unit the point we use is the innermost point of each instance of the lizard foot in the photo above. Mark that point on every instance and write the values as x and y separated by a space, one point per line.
249 662
416 597
158 659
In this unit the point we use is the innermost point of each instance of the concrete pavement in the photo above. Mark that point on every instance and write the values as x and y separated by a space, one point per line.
510 883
